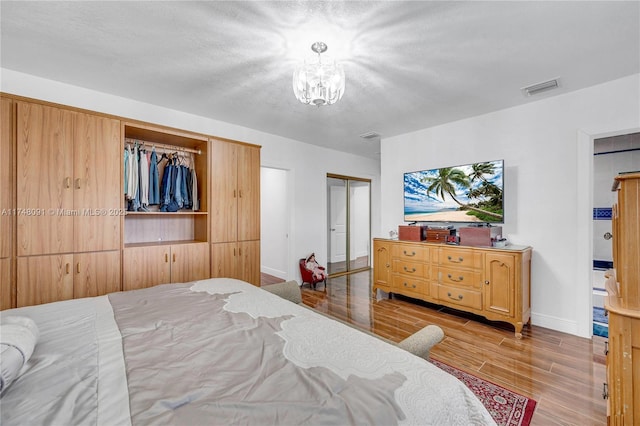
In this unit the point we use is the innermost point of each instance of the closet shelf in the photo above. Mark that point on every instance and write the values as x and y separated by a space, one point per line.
162 243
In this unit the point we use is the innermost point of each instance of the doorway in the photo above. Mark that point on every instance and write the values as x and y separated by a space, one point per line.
611 155
275 205
348 224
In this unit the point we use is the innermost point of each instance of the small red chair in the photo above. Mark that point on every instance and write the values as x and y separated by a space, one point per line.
307 276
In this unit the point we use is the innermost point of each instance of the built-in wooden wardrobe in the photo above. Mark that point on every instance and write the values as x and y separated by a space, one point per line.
235 210
66 232
66 162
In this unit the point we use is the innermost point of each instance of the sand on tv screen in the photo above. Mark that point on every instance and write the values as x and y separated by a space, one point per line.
467 193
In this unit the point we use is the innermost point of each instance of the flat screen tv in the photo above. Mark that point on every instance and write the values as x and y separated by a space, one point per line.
467 193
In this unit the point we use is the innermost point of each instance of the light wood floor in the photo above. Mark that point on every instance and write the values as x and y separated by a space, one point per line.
563 373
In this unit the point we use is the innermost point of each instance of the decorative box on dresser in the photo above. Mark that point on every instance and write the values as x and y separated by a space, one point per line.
490 282
622 389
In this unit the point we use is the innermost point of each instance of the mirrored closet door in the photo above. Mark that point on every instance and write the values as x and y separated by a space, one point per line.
348 224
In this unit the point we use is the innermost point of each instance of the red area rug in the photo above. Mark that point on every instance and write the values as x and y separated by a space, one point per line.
506 407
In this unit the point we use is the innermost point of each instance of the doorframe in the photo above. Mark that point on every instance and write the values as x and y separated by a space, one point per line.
348 225
584 241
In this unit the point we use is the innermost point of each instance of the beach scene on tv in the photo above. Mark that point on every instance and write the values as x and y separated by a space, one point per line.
468 193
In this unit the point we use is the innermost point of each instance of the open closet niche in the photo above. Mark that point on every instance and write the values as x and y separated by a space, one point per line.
166 233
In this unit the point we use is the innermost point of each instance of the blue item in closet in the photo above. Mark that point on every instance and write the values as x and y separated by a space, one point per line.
154 188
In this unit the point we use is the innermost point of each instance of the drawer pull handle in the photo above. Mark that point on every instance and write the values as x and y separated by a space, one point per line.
67 269
460 278
605 391
407 269
451 297
460 259
407 285
67 182
413 253
606 347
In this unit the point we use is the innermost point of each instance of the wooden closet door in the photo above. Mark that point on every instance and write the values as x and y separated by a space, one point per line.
44 279
189 262
249 262
223 209
6 177
7 218
97 171
146 266
44 179
223 260
248 193
96 274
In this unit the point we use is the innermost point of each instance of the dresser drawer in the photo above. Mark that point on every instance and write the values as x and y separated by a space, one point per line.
460 296
417 269
462 258
459 277
410 253
407 285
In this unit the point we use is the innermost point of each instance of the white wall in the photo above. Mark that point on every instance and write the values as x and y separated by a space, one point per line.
308 164
547 183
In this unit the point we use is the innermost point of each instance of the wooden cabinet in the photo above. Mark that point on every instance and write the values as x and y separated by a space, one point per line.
235 210
493 283
382 265
164 247
67 202
236 260
7 213
150 265
623 306
51 278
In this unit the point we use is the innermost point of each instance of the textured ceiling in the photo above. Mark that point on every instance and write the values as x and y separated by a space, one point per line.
409 65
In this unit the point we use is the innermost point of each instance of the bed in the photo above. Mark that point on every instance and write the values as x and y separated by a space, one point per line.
219 351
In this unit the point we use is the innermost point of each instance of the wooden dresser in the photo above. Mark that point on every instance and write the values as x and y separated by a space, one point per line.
623 305
490 282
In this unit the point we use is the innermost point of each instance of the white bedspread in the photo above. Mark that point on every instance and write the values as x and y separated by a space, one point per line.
78 371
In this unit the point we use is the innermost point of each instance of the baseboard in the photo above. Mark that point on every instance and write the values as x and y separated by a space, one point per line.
273 272
555 323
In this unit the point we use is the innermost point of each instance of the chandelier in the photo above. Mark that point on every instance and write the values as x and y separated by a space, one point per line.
317 81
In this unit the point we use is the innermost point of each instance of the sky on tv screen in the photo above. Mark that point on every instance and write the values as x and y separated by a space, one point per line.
417 200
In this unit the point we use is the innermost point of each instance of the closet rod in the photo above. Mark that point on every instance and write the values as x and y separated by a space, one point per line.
163 146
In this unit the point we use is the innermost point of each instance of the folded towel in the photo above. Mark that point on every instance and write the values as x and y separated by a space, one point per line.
18 338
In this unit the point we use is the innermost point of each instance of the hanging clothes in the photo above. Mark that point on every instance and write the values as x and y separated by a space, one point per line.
127 153
154 187
194 190
143 165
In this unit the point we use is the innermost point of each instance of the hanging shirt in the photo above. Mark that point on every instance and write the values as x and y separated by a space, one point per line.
154 187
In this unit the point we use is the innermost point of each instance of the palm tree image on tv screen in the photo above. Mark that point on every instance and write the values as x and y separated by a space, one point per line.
467 193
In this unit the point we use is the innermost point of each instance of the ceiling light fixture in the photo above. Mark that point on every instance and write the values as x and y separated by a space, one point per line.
317 81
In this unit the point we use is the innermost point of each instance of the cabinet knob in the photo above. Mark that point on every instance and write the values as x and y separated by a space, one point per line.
487 282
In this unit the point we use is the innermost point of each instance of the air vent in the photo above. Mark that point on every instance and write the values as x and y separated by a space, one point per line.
370 135
534 89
